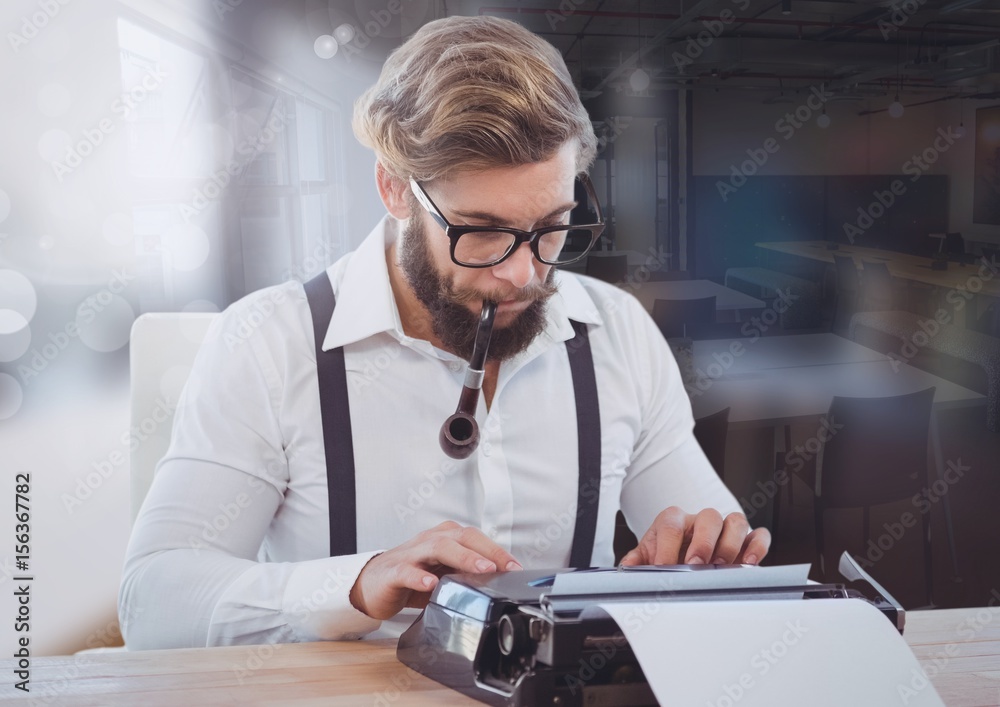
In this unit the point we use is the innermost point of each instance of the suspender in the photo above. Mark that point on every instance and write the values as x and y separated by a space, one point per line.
339 444
588 444
336 413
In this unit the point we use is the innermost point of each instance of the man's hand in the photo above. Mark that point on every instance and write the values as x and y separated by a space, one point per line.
405 575
676 537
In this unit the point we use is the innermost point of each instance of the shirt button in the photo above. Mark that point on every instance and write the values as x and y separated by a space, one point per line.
455 367
492 532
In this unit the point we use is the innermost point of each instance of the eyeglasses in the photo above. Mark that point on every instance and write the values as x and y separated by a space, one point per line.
485 246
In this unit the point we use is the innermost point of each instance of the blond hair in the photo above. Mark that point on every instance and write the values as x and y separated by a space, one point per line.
472 93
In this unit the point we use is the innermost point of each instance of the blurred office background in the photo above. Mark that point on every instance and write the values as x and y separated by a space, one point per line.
168 156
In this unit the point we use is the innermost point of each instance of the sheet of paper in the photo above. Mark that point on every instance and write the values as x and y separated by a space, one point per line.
818 652
658 580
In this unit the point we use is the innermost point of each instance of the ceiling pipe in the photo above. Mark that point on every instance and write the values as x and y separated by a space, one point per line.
799 24
902 66
914 105
661 37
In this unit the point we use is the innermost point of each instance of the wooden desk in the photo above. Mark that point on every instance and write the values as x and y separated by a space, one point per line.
726 300
902 265
959 648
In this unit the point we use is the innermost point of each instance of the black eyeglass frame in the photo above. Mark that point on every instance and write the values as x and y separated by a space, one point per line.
456 232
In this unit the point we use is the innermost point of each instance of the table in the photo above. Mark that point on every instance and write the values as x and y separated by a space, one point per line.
781 380
725 298
778 380
959 649
651 259
905 266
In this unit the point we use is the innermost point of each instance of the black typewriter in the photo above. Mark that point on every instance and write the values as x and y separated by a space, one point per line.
514 639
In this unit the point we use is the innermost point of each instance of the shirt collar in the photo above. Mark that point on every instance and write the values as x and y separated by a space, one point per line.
366 306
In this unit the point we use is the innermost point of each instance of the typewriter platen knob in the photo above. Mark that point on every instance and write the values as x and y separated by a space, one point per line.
512 633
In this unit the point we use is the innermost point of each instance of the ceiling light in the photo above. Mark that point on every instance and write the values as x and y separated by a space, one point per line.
325 46
896 108
786 7
823 120
958 5
639 80
344 33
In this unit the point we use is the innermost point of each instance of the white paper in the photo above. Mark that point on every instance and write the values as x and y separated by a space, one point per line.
673 580
814 652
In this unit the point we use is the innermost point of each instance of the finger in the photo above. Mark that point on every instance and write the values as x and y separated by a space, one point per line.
667 535
755 546
734 530
634 557
707 529
476 540
415 578
445 550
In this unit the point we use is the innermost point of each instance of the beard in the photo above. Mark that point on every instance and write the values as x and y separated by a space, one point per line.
451 320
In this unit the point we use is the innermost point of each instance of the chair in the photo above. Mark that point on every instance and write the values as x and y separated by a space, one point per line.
876 286
954 246
877 453
675 317
710 431
163 347
669 275
848 286
610 268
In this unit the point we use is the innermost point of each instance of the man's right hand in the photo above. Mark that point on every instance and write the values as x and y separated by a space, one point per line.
405 575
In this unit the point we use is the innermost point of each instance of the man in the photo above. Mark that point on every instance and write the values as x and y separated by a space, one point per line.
475 122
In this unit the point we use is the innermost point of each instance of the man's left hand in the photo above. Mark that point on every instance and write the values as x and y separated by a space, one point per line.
676 537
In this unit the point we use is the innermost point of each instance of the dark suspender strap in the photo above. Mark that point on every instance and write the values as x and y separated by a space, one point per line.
588 433
336 413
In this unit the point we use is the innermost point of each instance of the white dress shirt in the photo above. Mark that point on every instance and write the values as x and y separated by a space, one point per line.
232 542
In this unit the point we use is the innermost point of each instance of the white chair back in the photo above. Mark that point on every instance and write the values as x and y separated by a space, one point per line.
163 348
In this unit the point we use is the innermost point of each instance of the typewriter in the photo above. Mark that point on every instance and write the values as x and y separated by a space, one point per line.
517 638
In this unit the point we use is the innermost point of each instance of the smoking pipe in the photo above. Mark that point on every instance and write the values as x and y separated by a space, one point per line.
459 435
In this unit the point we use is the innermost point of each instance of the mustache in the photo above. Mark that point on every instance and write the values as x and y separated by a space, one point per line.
540 291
